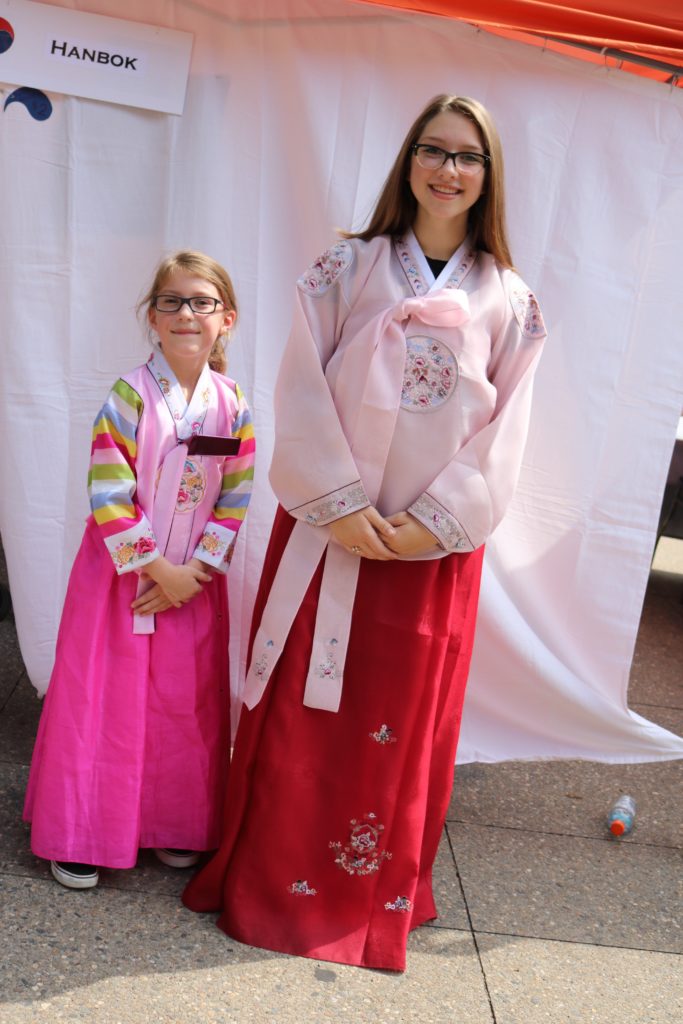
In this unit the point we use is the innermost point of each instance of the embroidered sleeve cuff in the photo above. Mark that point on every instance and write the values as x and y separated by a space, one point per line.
445 527
333 506
132 549
215 547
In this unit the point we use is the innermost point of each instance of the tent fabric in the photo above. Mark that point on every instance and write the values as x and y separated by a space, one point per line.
654 30
293 113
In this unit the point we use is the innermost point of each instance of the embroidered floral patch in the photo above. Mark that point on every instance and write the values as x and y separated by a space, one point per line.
210 542
401 904
360 855
328 669
342 502
383 735
301 888
526 310
430 375
130 552
192 486
261 665
445 526
322 274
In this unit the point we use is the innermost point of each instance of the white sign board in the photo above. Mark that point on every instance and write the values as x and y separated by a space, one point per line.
88 55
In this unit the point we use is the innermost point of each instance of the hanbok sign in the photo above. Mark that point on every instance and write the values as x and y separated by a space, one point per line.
93 56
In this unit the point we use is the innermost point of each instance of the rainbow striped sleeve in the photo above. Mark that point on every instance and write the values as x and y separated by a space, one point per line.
126 531
218 540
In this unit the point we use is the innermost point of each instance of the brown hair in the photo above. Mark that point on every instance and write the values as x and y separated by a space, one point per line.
200 265
396 207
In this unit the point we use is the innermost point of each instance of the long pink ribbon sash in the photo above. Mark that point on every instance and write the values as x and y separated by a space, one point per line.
368 422
162 518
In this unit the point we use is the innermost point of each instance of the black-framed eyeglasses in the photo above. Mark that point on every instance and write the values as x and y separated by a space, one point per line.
433 157
202 304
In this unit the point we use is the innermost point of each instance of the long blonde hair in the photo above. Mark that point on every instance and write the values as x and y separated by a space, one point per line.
396 207
190 261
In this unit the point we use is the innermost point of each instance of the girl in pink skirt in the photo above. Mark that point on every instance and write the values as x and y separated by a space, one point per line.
133 744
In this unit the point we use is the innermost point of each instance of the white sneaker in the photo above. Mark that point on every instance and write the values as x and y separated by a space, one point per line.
178 858
74 875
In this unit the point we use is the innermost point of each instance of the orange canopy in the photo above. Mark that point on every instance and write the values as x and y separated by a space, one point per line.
652 30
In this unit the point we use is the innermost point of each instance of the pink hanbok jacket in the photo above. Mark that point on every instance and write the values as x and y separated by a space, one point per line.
148 496
132 745
399 391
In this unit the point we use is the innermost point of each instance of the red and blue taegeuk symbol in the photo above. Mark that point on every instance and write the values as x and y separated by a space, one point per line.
35 101
6 35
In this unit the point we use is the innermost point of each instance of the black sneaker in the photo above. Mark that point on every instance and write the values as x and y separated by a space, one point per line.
177 858
74 875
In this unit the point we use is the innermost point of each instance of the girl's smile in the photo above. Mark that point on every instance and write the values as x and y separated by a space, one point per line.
187 337
445 195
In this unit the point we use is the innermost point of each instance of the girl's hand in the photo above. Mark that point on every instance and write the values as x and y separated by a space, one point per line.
156 599
410 536
152 601
365 533
180 583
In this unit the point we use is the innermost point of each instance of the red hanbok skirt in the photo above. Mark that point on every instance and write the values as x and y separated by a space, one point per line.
333 821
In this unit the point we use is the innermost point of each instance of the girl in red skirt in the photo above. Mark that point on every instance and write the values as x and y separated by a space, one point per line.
401 414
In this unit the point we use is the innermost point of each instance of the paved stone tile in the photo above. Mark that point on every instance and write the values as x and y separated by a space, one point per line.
122 958
447 891
11 665
572 797
15 854
657 670
19 723
532 982
579 890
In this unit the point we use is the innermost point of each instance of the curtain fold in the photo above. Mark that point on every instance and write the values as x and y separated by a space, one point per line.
294 112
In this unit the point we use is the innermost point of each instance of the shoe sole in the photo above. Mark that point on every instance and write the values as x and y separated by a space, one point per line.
70 881
173 861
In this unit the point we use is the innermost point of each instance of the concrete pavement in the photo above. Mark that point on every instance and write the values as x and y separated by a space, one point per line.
544 917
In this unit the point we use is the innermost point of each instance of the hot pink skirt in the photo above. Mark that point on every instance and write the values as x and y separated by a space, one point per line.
133 743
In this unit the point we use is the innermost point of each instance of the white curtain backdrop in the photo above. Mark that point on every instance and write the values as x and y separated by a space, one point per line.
294 112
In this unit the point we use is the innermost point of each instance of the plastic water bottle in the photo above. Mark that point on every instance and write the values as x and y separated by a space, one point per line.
621 815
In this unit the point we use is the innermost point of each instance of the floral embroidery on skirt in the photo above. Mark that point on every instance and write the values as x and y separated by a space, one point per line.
401 904
383 735
361 856
301 888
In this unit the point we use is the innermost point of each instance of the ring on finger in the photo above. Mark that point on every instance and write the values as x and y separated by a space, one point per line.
355 550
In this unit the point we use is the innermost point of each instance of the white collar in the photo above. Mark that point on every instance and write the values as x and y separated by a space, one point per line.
187 416
419 273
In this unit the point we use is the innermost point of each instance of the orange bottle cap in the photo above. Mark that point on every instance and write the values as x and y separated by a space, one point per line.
617 828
